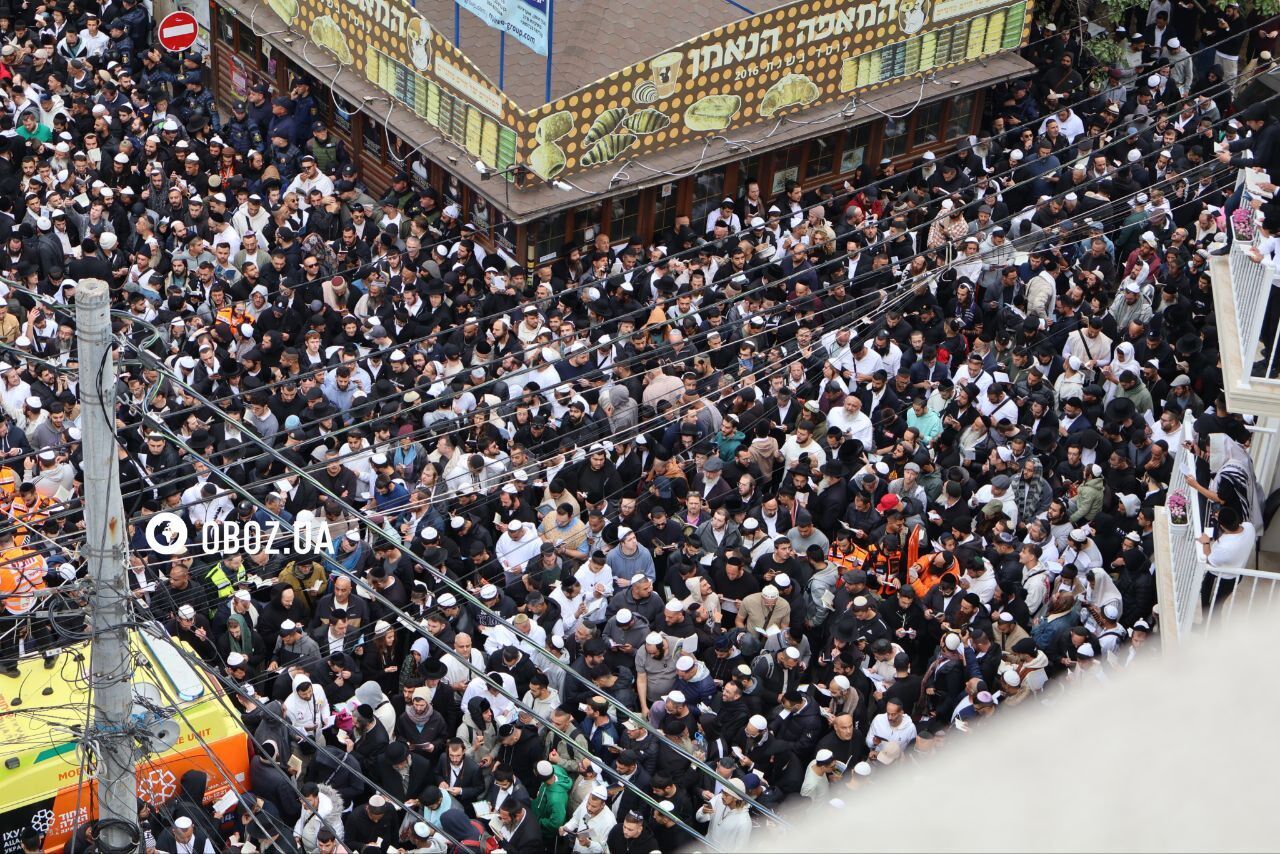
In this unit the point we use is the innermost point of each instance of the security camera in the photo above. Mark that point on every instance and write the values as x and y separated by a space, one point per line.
483 170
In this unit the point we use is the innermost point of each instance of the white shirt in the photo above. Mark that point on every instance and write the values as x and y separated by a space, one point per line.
984 586
309 716
455 671
730 830
503 708
987 493
597 828
529 644
963 376
512 553
589 579
868 363
1232 550
904 733
854 425
569 605
303 185
94 44
791 452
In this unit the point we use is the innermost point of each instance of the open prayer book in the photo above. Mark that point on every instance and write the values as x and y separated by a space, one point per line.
1253 181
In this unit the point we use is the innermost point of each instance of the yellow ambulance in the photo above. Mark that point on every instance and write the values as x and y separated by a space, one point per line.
44 782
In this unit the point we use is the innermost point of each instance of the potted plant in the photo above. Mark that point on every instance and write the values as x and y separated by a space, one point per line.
1242 224
1178 510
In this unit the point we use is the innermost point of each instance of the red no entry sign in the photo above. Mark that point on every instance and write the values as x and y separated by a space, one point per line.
177 31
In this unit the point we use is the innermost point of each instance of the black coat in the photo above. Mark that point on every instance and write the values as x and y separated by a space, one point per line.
432 733
470 779
391 782
642 844
340 770
360 827
628 799
269 782
527 837
521 758
1138 587
828 507
370 748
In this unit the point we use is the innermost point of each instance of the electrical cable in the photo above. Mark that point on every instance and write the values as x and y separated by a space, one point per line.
497 685
462 592
926 252
401 614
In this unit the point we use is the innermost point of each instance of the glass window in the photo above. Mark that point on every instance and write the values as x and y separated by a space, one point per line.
586 223
855 148
786 167
665 211
226 28
708 190
822 156
342 113
895 137
928 120
624 216
251 47
546 236
372 138
751 169
481 215
504 233
324 103
960 119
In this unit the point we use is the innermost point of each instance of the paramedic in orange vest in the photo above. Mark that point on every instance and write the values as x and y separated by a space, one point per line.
29 508
845 555
926 572
22 578
8 487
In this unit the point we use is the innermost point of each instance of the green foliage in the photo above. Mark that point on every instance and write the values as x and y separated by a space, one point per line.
1107 53
1105 50
1113 11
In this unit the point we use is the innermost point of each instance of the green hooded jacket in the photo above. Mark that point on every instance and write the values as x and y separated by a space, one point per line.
551 805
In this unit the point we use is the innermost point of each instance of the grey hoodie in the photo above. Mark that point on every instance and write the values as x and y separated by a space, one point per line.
633 634
625 412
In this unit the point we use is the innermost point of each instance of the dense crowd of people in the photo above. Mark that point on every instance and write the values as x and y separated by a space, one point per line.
673 536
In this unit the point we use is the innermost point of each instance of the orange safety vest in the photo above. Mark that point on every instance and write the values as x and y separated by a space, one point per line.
23 513
926 580
884 566
8 486
22 574
856 558
228 314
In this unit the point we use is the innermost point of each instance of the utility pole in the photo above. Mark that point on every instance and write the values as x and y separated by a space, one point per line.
110 661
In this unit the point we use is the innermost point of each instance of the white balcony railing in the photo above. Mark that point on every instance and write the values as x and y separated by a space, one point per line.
1179 562
1235 593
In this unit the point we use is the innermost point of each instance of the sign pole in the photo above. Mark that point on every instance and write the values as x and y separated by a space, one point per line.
502 58
551 38
457 24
